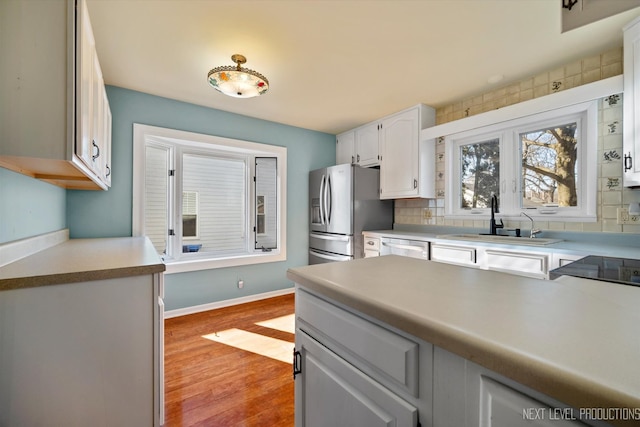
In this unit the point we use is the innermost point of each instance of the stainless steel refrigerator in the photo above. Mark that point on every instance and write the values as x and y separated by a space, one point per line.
344 201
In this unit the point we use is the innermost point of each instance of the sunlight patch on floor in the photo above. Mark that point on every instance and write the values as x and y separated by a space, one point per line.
255 343
285 323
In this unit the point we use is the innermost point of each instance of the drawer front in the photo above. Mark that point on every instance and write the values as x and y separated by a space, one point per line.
368 253
371 243
409 248
523 264
461 255
377 351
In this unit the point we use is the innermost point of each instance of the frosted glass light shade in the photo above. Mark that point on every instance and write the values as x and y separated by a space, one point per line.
237 81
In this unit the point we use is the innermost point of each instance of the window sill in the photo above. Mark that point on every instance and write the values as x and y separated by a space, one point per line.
184 266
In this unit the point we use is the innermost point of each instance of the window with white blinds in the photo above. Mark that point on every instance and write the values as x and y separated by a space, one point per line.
206 201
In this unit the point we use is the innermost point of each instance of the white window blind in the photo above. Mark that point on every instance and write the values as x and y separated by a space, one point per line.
189 203
221 186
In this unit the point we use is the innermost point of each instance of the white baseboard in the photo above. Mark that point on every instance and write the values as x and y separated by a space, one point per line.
226 303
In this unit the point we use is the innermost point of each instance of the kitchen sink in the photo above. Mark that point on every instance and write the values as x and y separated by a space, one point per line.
509 240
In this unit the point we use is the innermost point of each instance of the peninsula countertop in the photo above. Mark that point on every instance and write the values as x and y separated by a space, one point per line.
576 340
79 260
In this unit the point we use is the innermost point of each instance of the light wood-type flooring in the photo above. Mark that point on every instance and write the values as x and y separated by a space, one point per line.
231 366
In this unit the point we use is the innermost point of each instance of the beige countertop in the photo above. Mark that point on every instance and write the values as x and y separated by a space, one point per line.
79 260
576 340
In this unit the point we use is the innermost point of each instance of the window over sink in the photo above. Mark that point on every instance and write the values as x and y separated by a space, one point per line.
206 201
543 164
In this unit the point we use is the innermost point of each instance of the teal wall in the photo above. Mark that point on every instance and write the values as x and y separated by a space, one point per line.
29 207
108 214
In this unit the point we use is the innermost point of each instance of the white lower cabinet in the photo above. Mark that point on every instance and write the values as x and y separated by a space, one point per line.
528 264
561 259
82 354
354 370
454 254
338 394
371 246
468 395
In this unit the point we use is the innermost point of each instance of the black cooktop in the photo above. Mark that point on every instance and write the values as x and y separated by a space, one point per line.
609 269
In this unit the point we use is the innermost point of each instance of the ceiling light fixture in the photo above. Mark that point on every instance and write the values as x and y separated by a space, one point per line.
237 81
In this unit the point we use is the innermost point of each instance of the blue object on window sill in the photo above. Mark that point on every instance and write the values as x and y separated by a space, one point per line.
191 248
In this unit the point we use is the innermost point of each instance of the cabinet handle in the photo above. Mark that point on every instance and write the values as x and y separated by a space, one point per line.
108 171
358 158
415 183
95 156
297 363
628 162
353 160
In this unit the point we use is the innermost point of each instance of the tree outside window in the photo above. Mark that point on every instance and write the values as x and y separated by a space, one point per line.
480 173
549 166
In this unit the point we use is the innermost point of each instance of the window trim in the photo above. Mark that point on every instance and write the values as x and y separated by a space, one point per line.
587 115
142 133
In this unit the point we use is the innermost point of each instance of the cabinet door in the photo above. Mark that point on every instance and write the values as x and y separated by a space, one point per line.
631 106
80 354
345 147
451 254
367 148
330 392
106 134
468 395
371 246
85 87
97 164
502 406
560 259
399 167
519 263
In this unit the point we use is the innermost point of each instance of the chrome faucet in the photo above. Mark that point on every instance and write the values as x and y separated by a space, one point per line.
493 226
534 230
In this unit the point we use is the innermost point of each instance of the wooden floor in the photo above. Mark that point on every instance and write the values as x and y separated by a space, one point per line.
211 382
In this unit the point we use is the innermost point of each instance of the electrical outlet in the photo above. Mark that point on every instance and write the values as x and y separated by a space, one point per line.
625 218
240 283
427 213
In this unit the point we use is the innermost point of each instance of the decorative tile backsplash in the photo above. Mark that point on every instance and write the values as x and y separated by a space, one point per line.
611 194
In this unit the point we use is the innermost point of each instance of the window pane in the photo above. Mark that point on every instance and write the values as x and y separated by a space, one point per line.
549 166
220 184
156 196
480 170
266 236
189 214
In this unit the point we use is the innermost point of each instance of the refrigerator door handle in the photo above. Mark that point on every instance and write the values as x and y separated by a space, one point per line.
328 256
322 200
333 237
328 197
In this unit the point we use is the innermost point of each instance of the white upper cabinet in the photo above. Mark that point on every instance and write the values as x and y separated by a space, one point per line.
346 147
358 146
55 122
577 13
367 140
631 119
407 165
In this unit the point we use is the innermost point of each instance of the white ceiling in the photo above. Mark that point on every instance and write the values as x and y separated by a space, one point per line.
335 64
